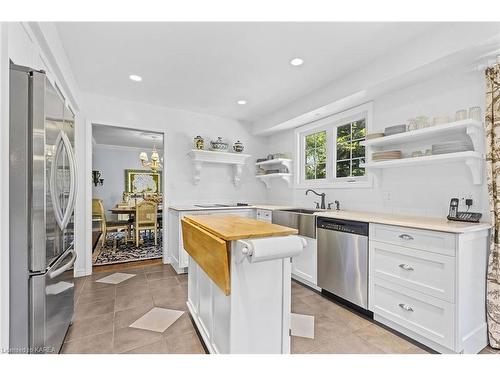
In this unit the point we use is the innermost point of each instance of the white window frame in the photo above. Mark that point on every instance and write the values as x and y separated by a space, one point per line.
330 124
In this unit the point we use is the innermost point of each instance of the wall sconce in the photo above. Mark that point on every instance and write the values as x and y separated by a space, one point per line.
96 178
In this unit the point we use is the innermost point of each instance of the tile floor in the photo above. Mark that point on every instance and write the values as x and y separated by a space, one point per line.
104 313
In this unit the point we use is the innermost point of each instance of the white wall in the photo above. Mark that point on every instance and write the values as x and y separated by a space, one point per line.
112 161
423 190
181 127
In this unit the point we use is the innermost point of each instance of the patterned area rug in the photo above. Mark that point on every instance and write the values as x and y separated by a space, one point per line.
126 251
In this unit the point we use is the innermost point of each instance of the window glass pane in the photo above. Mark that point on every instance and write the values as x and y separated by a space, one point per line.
358 151
343 150
356 169
321 139
343 168
310 156
310 172
321 171
358 129
344 133
310 141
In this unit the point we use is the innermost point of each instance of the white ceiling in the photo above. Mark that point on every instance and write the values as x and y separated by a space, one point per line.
206 67
124 137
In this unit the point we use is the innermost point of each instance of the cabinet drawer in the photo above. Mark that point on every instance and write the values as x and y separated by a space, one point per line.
264 215
437 242
427 316
429 273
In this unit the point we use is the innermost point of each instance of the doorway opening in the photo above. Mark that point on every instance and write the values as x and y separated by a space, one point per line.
127 198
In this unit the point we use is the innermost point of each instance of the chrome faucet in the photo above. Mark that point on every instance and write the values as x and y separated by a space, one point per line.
322 195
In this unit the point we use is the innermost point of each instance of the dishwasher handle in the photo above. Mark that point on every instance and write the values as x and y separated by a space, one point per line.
339 225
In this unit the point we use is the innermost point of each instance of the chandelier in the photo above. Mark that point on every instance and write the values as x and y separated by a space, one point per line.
154 164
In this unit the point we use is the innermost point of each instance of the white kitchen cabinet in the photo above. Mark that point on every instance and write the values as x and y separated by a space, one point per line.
430 285
305 265
264 215
178 257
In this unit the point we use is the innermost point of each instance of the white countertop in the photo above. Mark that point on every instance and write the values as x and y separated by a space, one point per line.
419 222
191 207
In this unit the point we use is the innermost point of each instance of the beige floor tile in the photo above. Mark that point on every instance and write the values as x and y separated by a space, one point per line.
157 319
302 325
126 339
489 350
175 298
92 286
96 296
98 344
163 274
90 327
125 318
301 345
182 326
350 344
163 284
115 278
384 339
158 347
185 344
127 302
89 310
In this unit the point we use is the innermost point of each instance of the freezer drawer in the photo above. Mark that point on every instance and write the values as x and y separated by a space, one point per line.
51 305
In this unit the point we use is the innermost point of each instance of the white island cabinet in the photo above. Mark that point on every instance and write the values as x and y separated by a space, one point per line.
430 285
239 283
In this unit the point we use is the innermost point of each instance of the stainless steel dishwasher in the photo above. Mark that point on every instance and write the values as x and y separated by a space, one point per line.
343 260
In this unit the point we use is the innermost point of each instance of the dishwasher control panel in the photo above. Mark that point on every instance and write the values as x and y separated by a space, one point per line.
346 226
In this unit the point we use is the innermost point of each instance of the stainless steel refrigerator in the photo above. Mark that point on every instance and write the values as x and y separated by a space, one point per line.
42 183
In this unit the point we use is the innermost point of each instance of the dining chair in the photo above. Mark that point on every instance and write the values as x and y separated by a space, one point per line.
145 219
108 226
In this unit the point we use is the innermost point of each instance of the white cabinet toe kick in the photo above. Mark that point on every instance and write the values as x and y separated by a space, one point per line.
430 285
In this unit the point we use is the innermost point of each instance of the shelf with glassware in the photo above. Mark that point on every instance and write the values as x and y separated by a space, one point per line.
275 164
236 160
469 128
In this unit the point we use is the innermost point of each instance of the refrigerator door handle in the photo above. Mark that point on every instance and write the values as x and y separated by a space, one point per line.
67 266
63 217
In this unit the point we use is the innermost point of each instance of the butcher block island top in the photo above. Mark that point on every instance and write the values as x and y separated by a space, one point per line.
231 227
207 241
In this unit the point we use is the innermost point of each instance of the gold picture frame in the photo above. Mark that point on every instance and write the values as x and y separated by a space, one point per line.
142 181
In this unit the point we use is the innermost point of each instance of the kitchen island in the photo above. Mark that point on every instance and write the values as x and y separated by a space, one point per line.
239 282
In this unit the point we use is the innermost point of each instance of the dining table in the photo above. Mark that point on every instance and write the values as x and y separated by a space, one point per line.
130 211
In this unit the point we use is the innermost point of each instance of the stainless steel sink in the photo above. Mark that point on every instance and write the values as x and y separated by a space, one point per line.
301 219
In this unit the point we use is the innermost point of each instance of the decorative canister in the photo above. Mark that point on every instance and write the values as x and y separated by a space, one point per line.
199 142
219 145
238 146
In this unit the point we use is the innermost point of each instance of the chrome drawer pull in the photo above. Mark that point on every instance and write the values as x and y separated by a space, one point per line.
405 307
406 267
405 237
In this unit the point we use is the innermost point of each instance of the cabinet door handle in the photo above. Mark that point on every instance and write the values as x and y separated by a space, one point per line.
405 237
406 267
405 307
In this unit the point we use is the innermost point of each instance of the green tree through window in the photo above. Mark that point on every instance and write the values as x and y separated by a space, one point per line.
315 156
350 153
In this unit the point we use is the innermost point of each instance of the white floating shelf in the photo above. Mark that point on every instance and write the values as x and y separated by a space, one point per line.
473 159
474 129
266 178
236 160
275 164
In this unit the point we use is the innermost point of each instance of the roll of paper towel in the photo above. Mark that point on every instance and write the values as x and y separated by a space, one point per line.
262 249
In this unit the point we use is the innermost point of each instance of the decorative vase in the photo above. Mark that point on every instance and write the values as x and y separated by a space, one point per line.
238 147
219 145
199 143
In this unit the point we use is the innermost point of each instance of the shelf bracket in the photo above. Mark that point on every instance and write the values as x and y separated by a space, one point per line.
476 136
237 170
196 172
476 169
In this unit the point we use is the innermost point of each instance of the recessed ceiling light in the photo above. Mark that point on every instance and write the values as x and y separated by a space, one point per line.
296 61
135 78
241 102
